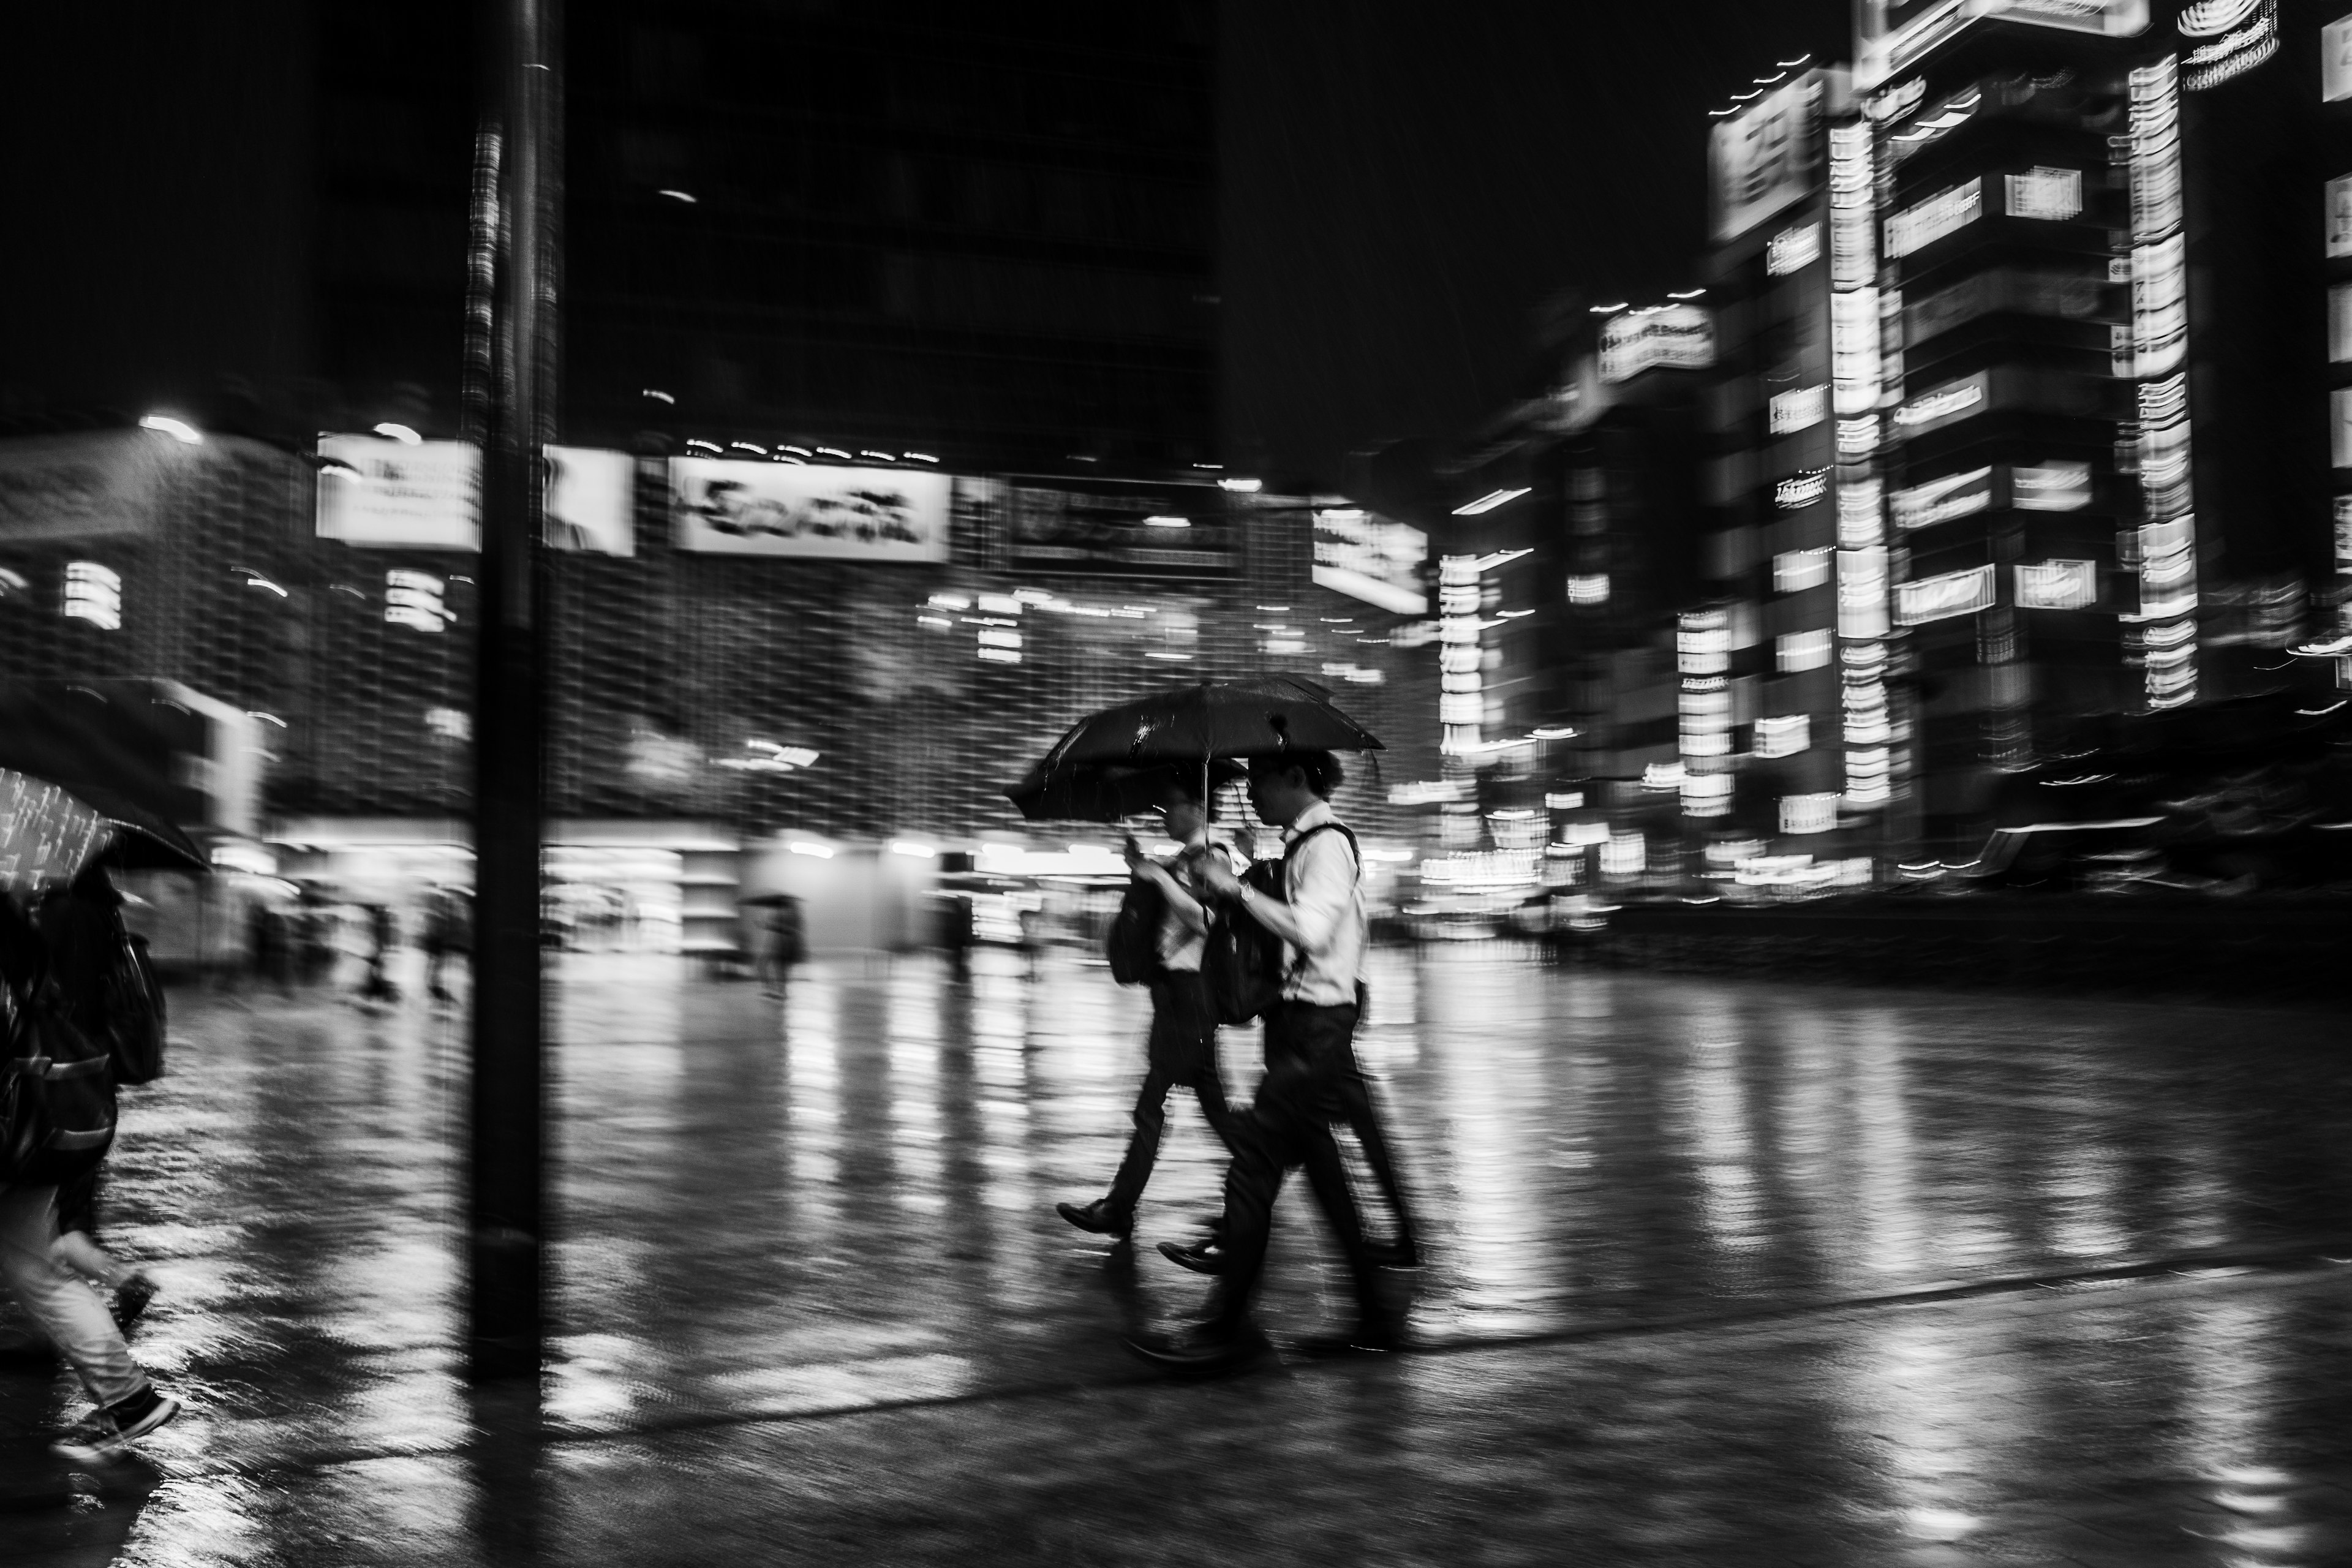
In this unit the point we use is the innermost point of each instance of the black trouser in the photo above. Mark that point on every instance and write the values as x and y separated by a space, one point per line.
1310 1064
1182 1055
1361 1117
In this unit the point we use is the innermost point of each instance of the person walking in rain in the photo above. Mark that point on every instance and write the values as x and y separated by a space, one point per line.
1312 1079
1181 1051
73 1317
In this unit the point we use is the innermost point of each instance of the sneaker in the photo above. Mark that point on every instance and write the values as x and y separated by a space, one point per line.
105 1436
130 1299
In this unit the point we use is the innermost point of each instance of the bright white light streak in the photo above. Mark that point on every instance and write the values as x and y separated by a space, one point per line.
1491 500
400 433
811 847
179 430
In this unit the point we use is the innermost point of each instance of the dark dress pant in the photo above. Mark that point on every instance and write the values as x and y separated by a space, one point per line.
1310 1065
1183 1054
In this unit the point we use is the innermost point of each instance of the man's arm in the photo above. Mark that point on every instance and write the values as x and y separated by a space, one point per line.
1322 884
1184 905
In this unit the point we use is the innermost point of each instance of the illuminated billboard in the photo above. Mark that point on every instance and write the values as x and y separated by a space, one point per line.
589 495
1763 158
1370 558
1937 598
1944 500
1896 35
2339 217
401 495
731 508
1678 337
2336 60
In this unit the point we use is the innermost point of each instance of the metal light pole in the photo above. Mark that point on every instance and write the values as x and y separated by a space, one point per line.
510 391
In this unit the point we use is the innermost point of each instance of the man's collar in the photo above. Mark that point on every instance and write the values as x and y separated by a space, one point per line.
1313 816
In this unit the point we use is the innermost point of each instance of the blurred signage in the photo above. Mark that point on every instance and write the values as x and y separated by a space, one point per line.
401 495
1943 405
725 507
1117 529
2339 217
2336 60
1938 598
1370 558
1944 214
590 494
2057 585
2237 37
1679 337
84 486
1792 249
1895 34
1763 158
1941 500
94 593
2050 486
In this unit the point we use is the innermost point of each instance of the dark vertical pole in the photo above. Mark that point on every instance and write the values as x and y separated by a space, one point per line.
517 204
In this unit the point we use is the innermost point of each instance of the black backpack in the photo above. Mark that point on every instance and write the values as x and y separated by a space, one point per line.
1243 959
1133 944
130 1000
56 1093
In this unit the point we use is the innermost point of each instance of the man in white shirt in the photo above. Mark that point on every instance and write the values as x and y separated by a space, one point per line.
1182 1050
1312 1080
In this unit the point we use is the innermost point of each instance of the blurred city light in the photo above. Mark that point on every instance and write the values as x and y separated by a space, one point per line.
178 429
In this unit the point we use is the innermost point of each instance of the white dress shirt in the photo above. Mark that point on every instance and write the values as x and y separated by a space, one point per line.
1326 889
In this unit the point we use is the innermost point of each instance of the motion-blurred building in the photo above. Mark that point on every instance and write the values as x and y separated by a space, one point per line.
2025 345
887 410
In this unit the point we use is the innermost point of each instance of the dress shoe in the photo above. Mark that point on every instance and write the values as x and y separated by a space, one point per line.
1097 1217
1203 1351
1202 1257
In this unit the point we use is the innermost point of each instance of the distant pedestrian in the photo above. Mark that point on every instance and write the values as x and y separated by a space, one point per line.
783 944
449 932
1181 1051
382 934
1312 1082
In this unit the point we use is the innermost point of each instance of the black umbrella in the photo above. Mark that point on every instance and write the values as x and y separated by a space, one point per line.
1100 791
1264 716
85 744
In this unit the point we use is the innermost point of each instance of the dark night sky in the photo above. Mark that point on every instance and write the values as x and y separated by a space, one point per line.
1405 184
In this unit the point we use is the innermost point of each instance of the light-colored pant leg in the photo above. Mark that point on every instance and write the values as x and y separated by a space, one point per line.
67 1310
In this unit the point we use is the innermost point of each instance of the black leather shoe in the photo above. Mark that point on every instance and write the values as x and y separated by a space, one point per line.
1097 1217
1202 1352
1202 1257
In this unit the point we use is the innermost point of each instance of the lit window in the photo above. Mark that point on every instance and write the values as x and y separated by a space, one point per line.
1592 590
93 593
1803 650
1793 570
1783 736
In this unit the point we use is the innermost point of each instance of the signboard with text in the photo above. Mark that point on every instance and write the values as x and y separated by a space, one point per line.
724 507
1765 157
401 495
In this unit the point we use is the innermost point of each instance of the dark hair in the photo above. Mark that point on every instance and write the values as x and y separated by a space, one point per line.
1321 769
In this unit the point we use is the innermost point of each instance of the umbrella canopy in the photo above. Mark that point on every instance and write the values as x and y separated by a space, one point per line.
1100 792
1264 716
76 739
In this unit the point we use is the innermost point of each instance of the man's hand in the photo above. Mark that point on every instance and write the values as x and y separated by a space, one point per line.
1219 877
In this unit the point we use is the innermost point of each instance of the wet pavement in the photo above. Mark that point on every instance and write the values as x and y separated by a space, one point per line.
1721 1272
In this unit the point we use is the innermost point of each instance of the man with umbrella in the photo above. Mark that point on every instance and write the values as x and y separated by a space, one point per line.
1312 1079
1182 1048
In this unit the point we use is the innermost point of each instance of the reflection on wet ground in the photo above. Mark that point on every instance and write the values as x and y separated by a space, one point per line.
1720 1271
